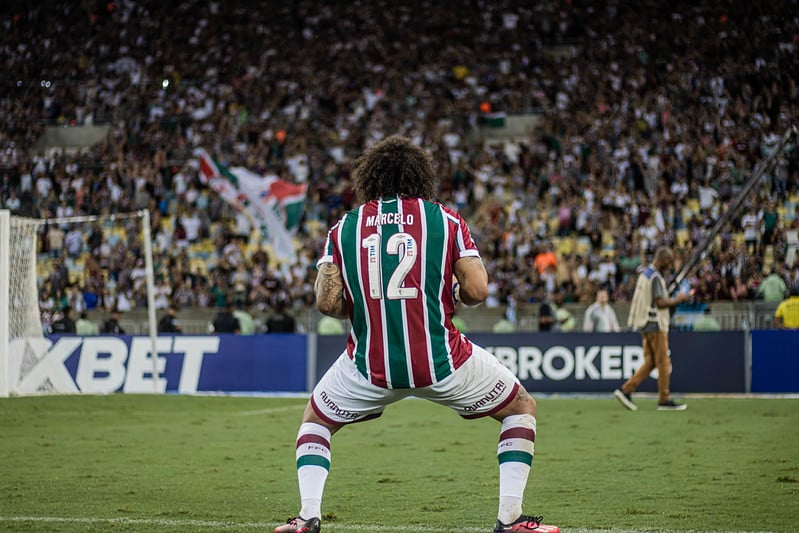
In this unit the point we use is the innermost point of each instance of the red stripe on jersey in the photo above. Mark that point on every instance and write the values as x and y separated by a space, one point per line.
461 348
415 308
374 311
310 438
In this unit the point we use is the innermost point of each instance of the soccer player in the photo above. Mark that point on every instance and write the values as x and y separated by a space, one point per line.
395 267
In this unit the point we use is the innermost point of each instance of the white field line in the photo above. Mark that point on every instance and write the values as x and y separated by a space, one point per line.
562 396
268 410
160 522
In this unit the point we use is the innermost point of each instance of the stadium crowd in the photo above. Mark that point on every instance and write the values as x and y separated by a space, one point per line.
651 118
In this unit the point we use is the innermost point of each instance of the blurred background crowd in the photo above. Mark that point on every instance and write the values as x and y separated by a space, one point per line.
649 118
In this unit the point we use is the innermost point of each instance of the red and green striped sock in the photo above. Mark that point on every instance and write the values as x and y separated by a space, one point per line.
313 465
515 454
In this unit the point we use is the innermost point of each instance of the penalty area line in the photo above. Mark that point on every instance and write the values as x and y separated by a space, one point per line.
220 524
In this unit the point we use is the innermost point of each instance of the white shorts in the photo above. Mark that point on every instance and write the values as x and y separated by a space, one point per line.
480 387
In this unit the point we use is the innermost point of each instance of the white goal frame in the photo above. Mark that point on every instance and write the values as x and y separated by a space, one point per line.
6 387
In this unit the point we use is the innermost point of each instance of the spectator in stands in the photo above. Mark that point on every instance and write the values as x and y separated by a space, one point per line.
503 325
547 320
162 293
64 325
600 316
329 325
460 323
773 287
73 241
169 322
225 322
787 314
59 277
111 325
546 259
246 321
281 321
564 317
13 202
771 218
706 322
55 240
650 132
84 326
750 224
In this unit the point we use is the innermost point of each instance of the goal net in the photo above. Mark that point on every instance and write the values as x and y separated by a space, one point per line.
27 270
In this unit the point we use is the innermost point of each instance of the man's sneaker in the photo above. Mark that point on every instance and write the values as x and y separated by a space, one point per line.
526 523
625 399
300 525
671 405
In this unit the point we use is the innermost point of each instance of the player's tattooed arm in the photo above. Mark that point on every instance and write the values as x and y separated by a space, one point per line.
473 280
523 396
329 289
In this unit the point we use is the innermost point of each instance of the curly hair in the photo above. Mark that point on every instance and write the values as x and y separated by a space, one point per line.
394 167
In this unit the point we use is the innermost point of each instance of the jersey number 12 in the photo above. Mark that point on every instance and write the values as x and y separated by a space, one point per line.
401 244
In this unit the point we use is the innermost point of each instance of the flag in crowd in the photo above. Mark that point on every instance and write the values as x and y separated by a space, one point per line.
273 205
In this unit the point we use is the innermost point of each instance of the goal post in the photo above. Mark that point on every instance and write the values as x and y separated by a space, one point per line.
19 299
5 237
22 337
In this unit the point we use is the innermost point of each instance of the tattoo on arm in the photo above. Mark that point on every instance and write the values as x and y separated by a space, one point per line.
522 396
467 263
329 289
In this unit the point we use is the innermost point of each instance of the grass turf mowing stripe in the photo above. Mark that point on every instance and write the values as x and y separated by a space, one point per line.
161 522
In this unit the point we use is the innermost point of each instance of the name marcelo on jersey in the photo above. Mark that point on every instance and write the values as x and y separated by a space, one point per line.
389 218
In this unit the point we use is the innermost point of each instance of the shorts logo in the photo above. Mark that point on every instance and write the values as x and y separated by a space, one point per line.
495 393
343 413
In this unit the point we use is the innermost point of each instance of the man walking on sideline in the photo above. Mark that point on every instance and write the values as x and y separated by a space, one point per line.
649 314
388 267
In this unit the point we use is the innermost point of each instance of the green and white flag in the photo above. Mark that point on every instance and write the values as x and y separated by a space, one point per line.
274 205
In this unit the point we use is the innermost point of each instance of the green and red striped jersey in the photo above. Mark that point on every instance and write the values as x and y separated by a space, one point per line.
396 258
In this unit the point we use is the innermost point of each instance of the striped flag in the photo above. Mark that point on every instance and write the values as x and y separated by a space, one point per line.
275 206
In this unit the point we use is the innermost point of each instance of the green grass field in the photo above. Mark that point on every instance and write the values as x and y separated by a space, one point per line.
179 463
